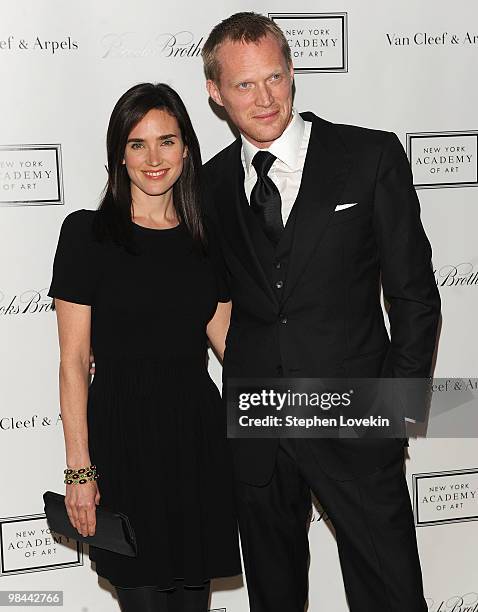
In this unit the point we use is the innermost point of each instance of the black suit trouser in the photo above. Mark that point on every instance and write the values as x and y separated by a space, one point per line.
374 527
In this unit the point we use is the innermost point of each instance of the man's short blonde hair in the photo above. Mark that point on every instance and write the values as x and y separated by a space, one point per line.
240 27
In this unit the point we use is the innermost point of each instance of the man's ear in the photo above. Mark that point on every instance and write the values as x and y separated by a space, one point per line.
213 92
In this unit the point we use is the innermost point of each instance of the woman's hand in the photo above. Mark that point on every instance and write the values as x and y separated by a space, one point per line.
80 502
74 330
217 328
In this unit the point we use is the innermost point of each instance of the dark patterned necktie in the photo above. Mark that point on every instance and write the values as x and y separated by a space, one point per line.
265 197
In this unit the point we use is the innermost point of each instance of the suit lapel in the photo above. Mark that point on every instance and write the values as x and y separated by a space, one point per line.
234 221
326 169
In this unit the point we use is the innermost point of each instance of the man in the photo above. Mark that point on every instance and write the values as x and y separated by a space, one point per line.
311 217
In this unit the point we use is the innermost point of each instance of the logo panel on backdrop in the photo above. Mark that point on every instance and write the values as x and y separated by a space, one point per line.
318 41
27 544
445 497
31 175
443 159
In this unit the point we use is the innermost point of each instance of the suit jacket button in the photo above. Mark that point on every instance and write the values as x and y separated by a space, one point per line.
283 318
277 265
279 284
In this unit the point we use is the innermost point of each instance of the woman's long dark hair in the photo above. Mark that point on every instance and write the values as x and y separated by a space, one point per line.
115 206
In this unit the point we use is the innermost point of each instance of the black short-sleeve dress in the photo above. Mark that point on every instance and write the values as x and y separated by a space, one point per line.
156 424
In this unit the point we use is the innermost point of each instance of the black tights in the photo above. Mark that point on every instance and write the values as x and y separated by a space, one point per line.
150 599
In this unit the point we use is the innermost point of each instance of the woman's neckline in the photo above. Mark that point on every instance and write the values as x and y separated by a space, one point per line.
156 229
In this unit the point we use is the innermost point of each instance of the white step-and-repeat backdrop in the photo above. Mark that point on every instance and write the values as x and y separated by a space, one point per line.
407 66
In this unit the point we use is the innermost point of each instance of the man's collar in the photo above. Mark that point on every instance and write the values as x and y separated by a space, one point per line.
286 148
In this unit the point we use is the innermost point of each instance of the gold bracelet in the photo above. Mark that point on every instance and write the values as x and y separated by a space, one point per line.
81 475
80 470
80 480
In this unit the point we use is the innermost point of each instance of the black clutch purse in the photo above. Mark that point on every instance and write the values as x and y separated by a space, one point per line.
113 529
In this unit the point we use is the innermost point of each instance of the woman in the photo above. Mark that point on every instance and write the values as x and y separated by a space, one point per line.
134 281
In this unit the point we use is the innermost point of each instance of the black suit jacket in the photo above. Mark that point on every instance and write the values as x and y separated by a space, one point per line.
329 321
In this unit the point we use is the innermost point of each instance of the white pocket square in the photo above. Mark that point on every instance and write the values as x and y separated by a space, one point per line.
344 206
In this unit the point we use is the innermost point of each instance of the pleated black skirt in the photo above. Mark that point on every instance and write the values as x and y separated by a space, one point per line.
157 435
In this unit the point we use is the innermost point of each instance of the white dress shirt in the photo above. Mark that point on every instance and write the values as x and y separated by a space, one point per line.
286 171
